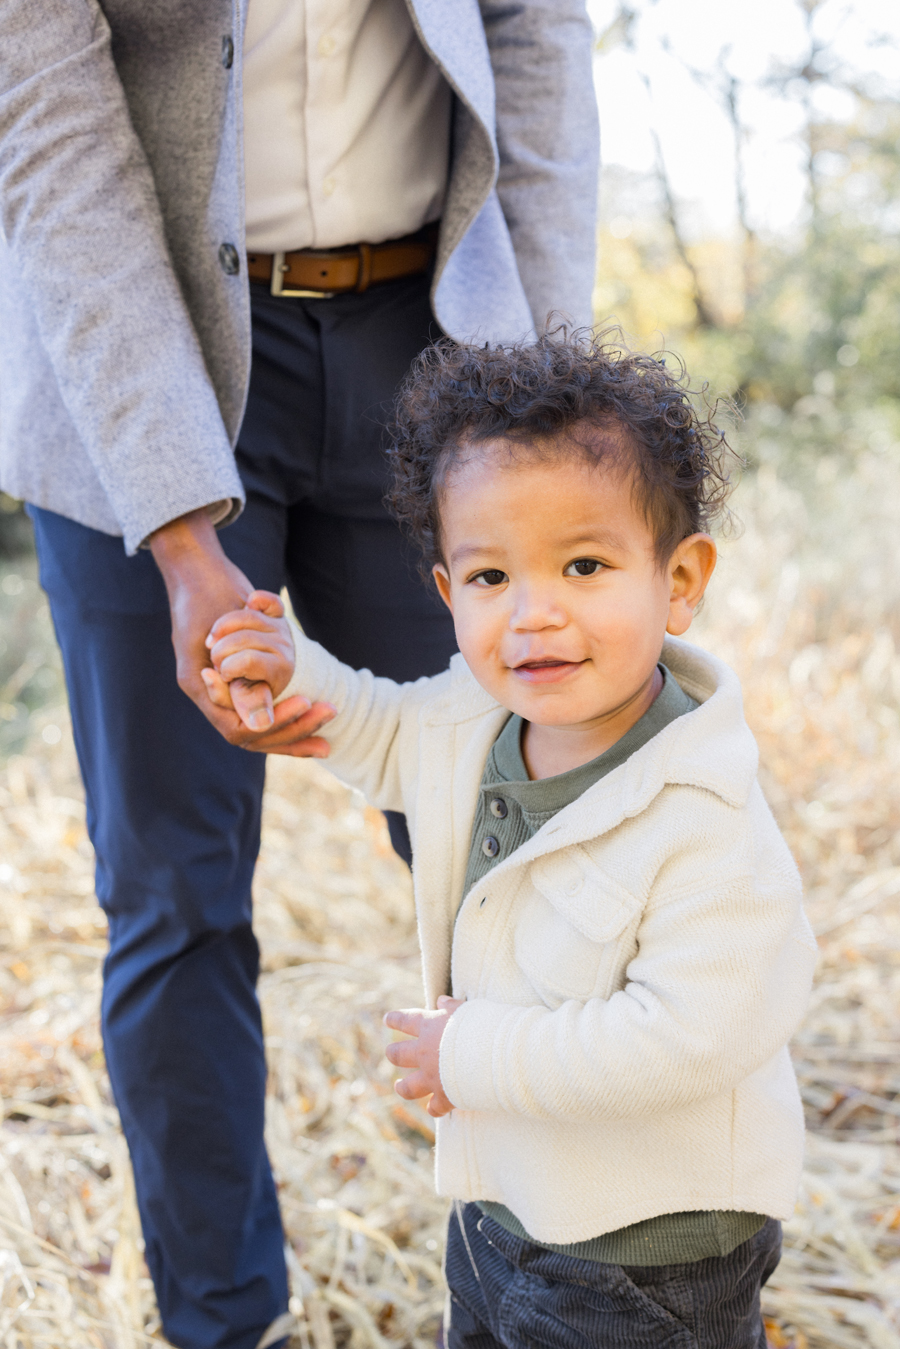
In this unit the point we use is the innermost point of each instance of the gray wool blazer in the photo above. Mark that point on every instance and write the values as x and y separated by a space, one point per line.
124 346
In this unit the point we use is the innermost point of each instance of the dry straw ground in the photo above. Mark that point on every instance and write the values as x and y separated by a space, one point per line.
805 607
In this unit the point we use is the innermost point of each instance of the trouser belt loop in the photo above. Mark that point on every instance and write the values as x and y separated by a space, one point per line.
365 268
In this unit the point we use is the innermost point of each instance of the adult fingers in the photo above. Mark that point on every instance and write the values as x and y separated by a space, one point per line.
294 719
294 732
311 748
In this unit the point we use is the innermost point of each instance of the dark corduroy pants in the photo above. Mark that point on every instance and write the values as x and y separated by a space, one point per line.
506 1293
174 811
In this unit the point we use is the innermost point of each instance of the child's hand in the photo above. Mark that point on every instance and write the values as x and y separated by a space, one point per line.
422 1053
252 652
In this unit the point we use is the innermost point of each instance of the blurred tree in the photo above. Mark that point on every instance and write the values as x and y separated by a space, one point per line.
802 329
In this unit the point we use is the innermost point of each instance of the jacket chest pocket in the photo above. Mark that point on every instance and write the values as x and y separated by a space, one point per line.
575 935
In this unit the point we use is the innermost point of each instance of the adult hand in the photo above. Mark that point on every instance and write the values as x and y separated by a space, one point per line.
202 585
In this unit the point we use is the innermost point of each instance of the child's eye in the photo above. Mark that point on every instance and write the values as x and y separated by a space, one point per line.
490 578
583 566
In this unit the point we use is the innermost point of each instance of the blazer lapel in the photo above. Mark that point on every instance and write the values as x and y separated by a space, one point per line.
453 35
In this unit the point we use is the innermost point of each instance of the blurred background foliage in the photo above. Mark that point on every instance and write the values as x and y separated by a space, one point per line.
800 328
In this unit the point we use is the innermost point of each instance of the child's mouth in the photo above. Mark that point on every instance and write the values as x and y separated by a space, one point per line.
546 671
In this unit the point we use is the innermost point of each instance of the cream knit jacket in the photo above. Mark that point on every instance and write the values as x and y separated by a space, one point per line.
632 974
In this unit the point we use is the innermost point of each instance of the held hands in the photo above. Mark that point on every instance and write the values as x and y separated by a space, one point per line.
252 654
421 1053
202 584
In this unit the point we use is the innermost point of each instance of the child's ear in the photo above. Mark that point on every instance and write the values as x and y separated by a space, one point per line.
442 581
690 567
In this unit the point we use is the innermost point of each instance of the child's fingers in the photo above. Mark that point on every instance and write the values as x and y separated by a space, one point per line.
251 619
414 1087
253 703
255 665
439 1105
408 1020
403 1053
266 603
216 688
266 656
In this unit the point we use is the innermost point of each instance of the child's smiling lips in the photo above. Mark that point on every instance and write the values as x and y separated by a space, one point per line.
546 669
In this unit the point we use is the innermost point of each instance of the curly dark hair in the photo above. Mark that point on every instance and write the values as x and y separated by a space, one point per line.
633 407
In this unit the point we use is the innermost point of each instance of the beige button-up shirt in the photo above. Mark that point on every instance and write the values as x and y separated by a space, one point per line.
347 124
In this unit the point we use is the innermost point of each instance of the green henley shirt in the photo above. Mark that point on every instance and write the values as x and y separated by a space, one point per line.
511 809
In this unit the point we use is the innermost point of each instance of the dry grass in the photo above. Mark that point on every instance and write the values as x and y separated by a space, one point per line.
809 618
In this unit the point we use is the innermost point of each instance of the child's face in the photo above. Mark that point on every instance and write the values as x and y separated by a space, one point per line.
559 602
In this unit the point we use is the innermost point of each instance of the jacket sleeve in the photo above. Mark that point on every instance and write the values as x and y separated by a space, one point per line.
719 984
372 738
549 147
81 218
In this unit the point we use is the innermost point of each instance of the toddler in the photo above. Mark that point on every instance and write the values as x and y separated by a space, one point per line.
615 952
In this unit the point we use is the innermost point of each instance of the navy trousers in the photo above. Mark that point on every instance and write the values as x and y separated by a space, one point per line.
174 811
506 1293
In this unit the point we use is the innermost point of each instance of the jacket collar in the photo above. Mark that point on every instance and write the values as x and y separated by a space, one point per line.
711 748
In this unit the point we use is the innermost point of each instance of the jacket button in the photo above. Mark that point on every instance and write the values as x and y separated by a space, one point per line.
499 808
490 847
229 259
227 51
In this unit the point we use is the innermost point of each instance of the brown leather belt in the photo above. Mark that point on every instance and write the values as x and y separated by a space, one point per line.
313 273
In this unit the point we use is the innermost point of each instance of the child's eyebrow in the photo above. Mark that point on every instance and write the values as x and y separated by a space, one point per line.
606 538
469 550
599 538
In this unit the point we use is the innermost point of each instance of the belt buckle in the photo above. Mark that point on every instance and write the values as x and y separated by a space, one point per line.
277 287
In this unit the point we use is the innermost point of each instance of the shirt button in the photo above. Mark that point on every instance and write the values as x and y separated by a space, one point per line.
499 808
229 259
490 847
227 51
327 45
328 186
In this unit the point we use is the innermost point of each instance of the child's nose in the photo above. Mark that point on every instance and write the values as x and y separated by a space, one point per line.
537 608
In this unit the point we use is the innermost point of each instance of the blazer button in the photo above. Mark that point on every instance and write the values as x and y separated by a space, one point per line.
229 259
490 847
227 51
499 808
